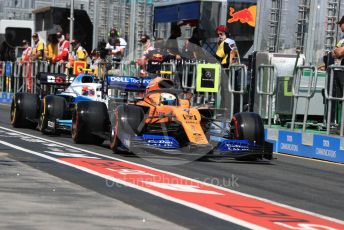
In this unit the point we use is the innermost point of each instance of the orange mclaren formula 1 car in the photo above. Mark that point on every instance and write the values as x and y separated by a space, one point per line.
163 121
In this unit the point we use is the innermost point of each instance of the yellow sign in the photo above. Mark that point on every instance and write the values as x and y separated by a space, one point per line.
208 78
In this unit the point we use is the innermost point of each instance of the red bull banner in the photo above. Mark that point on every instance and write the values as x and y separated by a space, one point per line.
241 22
246 15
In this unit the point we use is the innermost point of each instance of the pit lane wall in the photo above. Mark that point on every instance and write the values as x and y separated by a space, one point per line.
309 145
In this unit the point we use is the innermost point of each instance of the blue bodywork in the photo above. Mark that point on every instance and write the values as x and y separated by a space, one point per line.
128 83
163 142
222 145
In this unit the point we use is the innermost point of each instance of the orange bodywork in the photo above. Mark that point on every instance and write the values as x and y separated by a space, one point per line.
182 112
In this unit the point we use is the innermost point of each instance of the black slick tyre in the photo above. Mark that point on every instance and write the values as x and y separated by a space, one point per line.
90 122
53 107
25 110
248 126
125 124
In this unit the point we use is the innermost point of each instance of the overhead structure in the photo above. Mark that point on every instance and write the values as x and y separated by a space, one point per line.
274 23
332 18
302 23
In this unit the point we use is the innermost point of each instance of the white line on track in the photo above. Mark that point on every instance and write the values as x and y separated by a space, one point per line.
197 207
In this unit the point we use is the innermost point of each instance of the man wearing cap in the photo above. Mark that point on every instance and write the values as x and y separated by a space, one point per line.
79 53
38 48
62 47
227 51
27 52
226 54
110 45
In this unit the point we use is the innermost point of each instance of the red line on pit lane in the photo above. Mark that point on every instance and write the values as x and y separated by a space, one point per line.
253 213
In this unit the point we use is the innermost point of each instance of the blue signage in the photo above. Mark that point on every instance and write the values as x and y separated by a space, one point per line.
8 69
327 148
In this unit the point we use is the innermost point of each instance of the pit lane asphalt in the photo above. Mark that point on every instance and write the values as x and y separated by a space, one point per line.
306 184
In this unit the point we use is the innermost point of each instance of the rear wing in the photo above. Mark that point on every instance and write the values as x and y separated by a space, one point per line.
56 79
128 83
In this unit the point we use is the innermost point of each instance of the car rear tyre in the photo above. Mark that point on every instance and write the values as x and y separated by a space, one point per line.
90 122
25 110
53 107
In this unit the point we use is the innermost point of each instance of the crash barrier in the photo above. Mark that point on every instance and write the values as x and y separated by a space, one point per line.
21 77
266 86
311 82
334 92
308 145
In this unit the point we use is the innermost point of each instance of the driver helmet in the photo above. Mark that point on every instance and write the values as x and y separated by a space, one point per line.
168 99
87 91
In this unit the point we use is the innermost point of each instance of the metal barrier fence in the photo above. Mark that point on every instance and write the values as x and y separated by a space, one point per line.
266 74
329 91
311 86
23 79
237 76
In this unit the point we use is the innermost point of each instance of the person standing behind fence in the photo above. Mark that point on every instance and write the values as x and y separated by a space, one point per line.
226 54
113 36
116 51
192 47
156 57
338 78
147 47
63 48
338 51
78 54
27 67
226 51
51 48
38 48
26 53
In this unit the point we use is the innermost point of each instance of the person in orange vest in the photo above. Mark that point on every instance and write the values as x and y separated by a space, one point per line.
62 47
27 52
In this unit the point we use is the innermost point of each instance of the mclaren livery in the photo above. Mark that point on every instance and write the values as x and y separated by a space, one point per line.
162 121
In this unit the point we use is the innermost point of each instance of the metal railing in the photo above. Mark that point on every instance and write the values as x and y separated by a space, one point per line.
268 74
329 86
311 87
237 74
